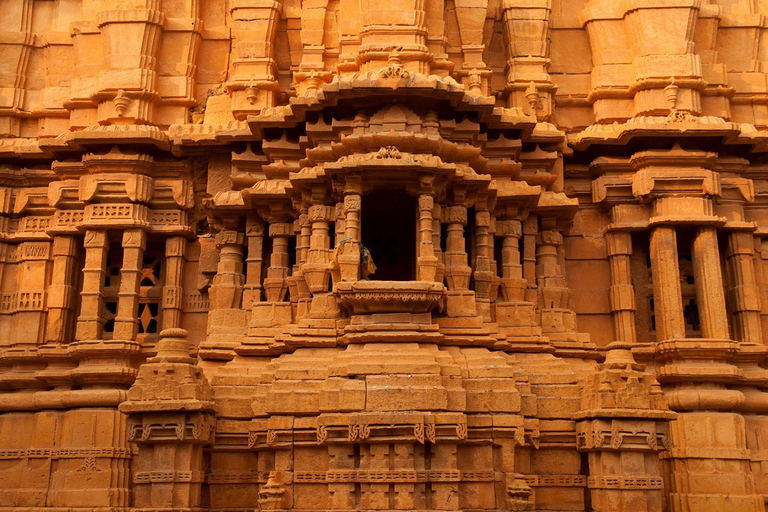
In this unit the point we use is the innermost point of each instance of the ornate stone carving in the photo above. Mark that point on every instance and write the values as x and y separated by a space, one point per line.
407 255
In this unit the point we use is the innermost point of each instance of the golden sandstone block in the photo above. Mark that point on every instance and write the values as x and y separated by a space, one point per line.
366 255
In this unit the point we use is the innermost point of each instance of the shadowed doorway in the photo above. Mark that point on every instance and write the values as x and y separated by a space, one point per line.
389 232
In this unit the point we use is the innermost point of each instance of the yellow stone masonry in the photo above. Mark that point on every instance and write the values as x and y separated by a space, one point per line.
383 255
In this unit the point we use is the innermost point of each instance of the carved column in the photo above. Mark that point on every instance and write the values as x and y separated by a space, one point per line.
226 318
226 290
339 224
457 272
622 293
173 291
126 321
513 285
530 229
427 261
483 274
254 261
90 323
515 312
549 274
301 295
275 284
349 260
305 235
709 284
33 259
61 292
437 214
170 422
694 373
623 427
745 294
460 300
558 322
316 270
667 296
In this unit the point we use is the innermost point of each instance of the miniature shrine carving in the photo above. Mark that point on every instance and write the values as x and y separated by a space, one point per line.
354 255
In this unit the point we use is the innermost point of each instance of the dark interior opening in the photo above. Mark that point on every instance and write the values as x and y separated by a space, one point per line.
389 232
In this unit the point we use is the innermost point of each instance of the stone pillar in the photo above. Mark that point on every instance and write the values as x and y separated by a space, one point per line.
61 292
483 275
460 300
709 284
530 229
349 259
305 235
457 272
513 284
90 323
270 318
549 274
227 287
126 321
316 271
170 418
427 261
33 273
437 214
173 291
623 425
276 284
622 293
745 294
667 296
300 296
254 261
339 224
558 322
226 318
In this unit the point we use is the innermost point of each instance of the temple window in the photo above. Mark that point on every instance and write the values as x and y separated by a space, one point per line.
150 294
688 284
112 288
642 283
150 290
389 232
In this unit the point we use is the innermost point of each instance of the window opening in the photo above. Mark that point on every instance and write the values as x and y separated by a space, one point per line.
388 231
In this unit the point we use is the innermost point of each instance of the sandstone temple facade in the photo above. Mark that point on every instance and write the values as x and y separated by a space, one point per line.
380 255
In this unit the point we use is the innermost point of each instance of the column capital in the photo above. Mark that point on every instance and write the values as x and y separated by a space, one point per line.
352 202
281 229
134 239
175 246
619 243
320 213
550 237
456 214
254 226
229 237
95 239
511 228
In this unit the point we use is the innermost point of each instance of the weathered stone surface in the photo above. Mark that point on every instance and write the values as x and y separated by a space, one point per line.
383 255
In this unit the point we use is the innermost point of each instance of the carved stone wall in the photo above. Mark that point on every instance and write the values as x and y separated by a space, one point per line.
190 315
